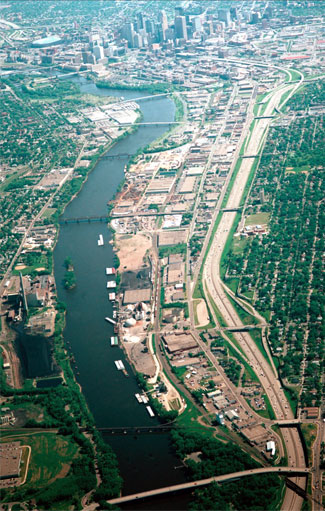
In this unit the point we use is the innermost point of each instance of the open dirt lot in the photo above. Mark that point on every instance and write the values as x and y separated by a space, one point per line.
202 313
131 250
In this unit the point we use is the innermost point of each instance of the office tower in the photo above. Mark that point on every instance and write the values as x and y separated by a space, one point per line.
137 41
98 51
197 24
162 26
169 34
268 12
179 11
140 20
210 27
180 27
150 27
129 34
224 15
256 16
135 26
233 13
88 58
162 18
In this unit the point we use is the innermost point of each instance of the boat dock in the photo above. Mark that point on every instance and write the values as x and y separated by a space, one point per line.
114 340
120 366
110 320
110 271
150 412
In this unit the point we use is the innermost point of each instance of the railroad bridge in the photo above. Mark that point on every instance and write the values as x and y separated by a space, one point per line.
137 430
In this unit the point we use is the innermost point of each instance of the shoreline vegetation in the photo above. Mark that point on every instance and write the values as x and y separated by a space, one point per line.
94 467
65 407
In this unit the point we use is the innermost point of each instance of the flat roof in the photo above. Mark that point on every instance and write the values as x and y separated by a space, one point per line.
172 238
10 456
160 185
188 184
137 295
180 342
47 41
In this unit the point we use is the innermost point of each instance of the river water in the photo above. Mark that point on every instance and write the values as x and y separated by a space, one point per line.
145 461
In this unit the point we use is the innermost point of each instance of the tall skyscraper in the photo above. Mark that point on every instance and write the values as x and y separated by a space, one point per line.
179 11
197 24
162 18
140 20
98 51
233 13
150 27
163 27
138 42
129 34
224 15
180 27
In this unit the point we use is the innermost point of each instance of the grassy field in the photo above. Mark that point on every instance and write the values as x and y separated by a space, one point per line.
51 456
303 168
268 413
239 244
256 335
48 212
258 219
245 317
294 75
40 261
292 396
310 433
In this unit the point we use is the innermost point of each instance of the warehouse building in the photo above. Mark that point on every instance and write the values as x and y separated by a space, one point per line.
178 342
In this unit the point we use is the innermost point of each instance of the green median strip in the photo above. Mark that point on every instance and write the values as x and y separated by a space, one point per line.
251 373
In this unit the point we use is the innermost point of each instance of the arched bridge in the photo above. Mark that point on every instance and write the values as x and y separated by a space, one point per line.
217 479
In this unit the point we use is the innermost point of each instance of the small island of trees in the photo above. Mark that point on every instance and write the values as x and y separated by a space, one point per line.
69 280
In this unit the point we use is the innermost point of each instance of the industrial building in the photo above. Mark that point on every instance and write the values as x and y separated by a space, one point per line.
136 295
179 342
10 457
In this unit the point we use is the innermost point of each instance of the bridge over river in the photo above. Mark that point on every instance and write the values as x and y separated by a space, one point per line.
217 479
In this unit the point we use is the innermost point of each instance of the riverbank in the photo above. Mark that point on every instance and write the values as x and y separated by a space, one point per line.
110 396
78 423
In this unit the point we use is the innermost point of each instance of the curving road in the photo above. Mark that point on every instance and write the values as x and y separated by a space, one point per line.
211 276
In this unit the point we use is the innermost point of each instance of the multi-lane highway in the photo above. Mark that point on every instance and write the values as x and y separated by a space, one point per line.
213 283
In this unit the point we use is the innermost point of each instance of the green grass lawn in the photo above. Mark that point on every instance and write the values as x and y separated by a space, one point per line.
257 338
244 316
294 75
232 284
268 413
39 261
48 212
51 456
303 168
292 397
239 245
309 432
258 219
